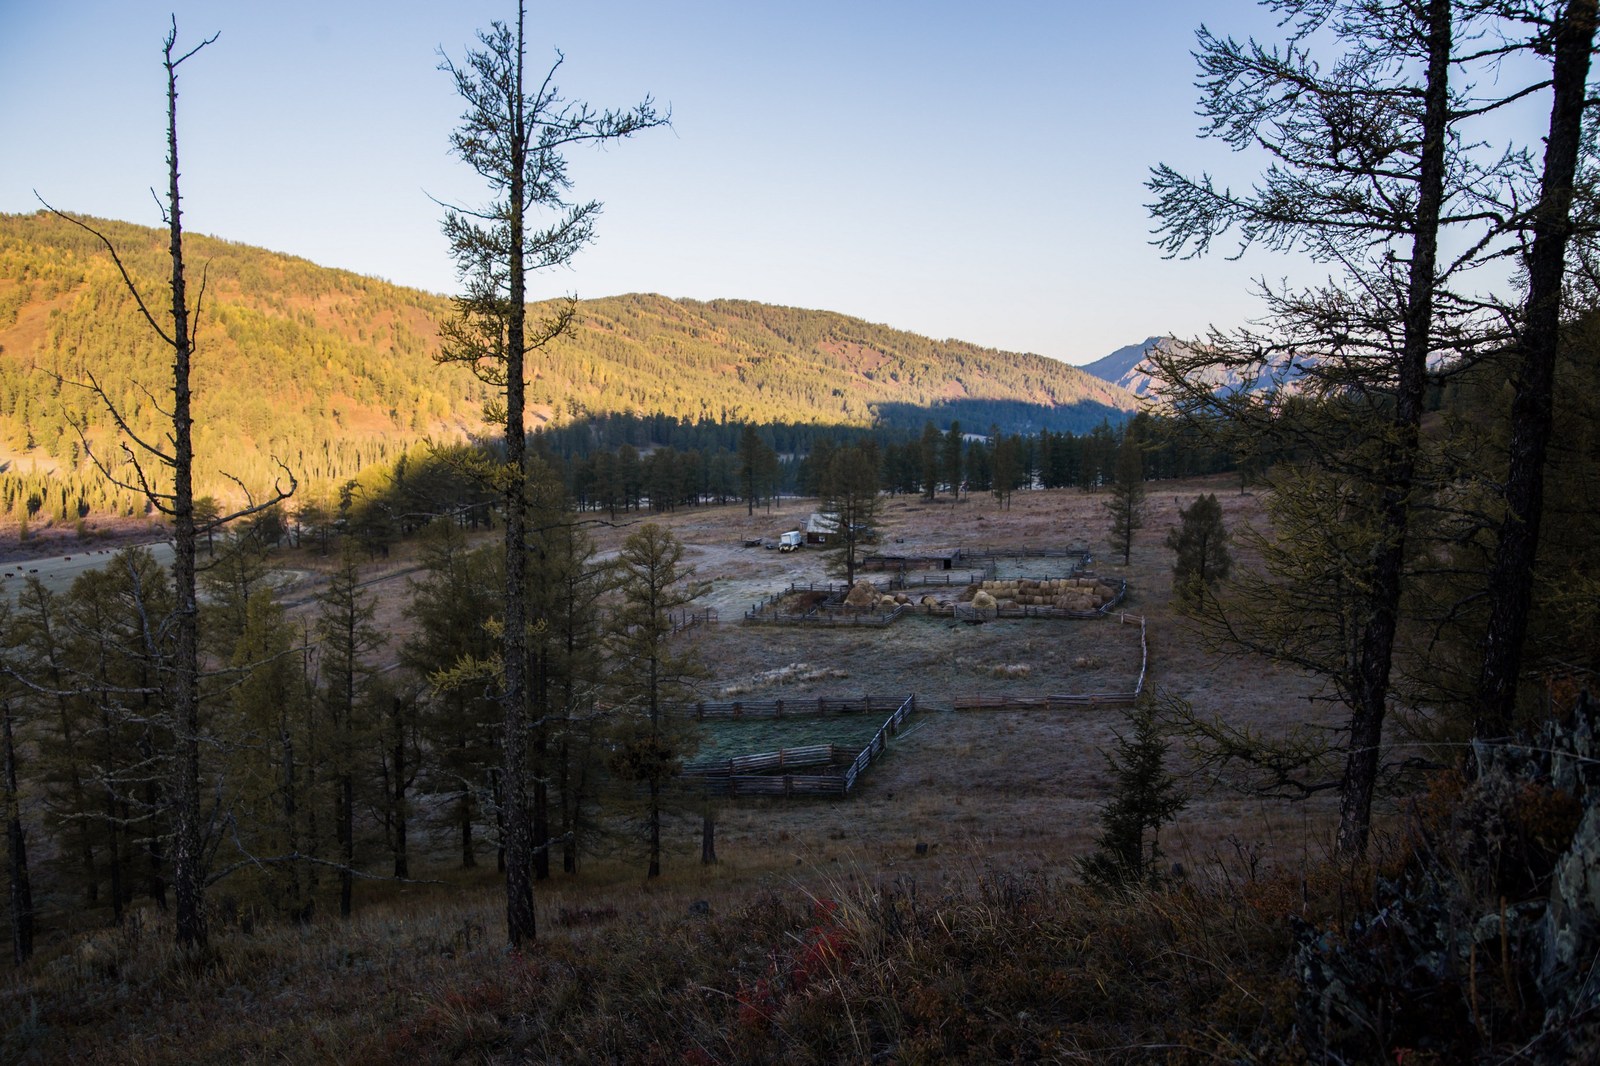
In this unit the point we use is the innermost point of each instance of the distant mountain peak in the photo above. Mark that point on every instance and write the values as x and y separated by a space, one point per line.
1129 368
1126 366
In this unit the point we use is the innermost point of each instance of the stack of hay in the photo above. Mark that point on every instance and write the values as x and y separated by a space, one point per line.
864 594
1067 594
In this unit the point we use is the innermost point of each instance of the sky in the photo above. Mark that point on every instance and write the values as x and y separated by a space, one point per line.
960 170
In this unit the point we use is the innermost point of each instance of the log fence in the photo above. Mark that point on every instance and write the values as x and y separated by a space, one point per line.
762 774
832 611
687 619
819 707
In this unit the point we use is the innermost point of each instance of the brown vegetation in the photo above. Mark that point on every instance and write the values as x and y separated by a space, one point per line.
962 799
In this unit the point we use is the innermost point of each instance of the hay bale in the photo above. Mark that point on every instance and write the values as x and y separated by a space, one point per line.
864 594
901 597
888 602
1009 605
930 601
983 601
968 594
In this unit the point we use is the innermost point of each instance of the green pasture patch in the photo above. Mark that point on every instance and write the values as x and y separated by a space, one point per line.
724 738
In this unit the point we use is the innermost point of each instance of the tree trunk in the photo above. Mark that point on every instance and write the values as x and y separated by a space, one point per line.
347 842
16 852
653 819
708 836
290 815
1376 648
518 834
1511 574
539 684
152 799
188 858
402 867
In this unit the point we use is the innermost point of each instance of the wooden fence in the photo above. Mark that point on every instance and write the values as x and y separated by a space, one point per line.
830 611
919 579
988 554
687 619
790 708
763 774
1062 702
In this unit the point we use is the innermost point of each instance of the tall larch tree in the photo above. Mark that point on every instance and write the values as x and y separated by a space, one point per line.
1367 168
348 639
514 133
1536 335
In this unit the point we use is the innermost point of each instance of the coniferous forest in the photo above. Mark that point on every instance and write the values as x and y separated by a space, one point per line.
353 382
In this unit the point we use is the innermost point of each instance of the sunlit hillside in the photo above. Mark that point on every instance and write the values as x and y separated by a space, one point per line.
330 371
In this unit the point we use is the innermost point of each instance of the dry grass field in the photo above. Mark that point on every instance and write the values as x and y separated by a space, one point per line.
1015 789
930 916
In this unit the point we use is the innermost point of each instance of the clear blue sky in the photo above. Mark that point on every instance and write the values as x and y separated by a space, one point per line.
957 169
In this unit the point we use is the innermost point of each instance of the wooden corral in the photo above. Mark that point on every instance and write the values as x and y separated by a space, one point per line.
904 563
688 619
764 774
819 707
983 559
830 608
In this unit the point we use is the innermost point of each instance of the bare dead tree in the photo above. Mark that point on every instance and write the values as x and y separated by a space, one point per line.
164 475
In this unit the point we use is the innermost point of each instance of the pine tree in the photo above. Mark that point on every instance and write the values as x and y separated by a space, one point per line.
451 607
648 674
950 459
851 501
1145 796
1200 544
266 725
18 878
347 637
929 454
1126 505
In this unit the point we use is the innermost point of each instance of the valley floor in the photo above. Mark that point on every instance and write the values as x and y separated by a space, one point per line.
964 805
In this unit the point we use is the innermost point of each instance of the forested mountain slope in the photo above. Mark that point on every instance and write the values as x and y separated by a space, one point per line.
331 371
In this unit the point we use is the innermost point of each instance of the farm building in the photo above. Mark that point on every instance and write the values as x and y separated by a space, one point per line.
822 528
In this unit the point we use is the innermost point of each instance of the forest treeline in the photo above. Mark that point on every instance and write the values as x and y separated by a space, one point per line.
621 464
332 373
337 754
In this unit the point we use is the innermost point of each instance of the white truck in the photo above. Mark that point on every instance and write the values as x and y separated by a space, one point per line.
791 540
